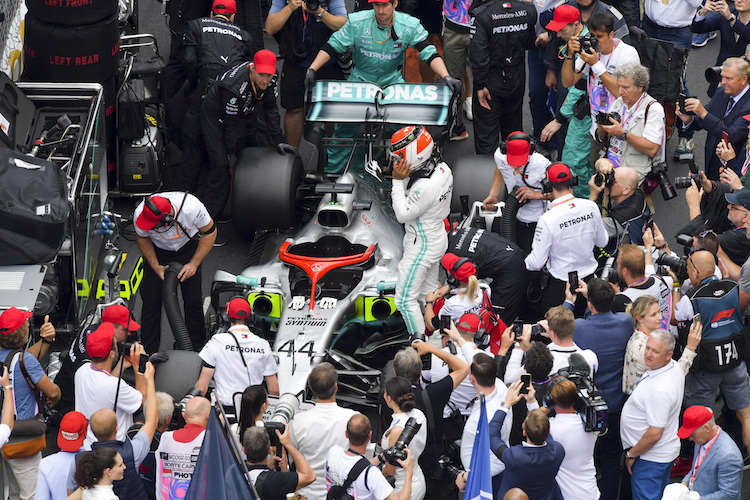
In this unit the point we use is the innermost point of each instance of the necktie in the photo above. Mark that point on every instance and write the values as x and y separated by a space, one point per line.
730 105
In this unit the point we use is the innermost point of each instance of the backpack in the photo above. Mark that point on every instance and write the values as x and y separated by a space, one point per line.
338 492
492 325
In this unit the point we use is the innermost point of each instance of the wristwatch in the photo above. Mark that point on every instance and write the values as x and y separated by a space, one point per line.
627 455
624 136
431 302
7 387
319 17
49 342
732 19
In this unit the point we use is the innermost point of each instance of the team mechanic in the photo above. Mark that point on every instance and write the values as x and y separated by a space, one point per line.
501 33
213 45
378 54
565 238
237 358
421 198
497 258
229 107
166 227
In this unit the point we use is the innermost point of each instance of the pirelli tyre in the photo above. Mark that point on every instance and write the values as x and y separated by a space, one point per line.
72 12
472 177
55 53
264 190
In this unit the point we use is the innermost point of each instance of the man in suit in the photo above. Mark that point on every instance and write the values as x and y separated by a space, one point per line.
723 114
717 463
531 466
607 334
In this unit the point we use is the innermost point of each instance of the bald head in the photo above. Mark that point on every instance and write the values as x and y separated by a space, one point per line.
627 177
704 264
516 494
104 424
358 430
197 411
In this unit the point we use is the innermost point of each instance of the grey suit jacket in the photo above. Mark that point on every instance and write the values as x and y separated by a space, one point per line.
720 475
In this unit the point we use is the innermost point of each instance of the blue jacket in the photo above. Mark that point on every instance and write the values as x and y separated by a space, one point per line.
720 475
533 469
607 334
714 123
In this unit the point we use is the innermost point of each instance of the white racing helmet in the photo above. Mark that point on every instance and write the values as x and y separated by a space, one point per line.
415 144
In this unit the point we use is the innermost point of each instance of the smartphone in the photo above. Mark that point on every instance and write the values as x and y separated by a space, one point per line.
518 329
525 383
697 318
537 329
445 324
142 363
650 225
681 100
725 137
573 280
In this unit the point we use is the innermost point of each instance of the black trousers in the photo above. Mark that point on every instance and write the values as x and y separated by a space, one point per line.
504 116
192 296
608 454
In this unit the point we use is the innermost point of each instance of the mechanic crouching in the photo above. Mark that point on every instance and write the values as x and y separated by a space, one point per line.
421 197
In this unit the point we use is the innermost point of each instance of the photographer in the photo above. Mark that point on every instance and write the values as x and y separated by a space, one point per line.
522 172
587 59
577 474
400 399
270 483
97 388
303 27
631 270
369 483
533 465
724 114
627 204
634 127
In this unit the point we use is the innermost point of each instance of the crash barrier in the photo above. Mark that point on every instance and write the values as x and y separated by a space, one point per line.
172 307
72 12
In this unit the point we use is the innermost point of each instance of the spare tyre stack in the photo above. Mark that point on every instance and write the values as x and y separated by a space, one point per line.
76 41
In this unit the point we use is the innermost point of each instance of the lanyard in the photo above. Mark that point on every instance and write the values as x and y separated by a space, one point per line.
562 201
700 459
631 113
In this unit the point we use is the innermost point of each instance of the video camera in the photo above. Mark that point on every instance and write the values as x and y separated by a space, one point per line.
396 452
659 172
590 405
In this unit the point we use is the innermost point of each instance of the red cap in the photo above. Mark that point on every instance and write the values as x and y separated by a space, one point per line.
558 172
148 219
265 62
518 149
469 322
463 272
563 16
694 417
120 314
12 319
99 342
224 7
73 427
239 308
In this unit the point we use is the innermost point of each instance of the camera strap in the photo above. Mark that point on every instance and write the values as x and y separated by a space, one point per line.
358 468
242 356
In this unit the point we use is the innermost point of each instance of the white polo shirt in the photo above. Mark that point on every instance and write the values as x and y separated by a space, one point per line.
565 238
671 13
532 174
655 402
190 213
225 352
316 431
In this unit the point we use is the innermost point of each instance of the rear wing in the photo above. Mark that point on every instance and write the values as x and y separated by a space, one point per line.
336 101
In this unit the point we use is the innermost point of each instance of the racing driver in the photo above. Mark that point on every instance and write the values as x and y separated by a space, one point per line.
421 196
379 38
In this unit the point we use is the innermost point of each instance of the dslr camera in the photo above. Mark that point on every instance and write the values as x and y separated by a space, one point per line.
659 172
312 5
686 182
606 179
602 118
397 452
588 41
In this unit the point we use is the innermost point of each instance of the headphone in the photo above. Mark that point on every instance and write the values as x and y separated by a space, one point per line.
547 184
481 337
167 219
548 401
518 136
228 319
451 279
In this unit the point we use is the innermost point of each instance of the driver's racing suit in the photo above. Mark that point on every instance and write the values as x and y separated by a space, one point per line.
421 203
378 54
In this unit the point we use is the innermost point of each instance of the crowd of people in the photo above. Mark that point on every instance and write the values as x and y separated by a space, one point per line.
605 364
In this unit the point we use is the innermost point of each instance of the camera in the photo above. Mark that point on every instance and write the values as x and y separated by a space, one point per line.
396 452
445 468
606 179
178 421
588 41
659 172
602 118
282 415
590 405
609 271
686 182
677 264
312 5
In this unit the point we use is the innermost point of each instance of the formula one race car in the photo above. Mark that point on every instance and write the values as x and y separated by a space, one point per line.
328 295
